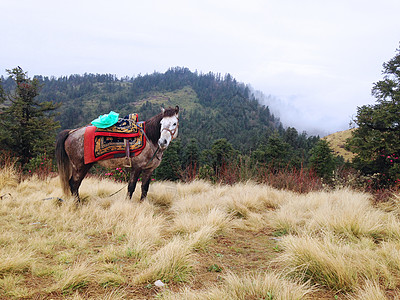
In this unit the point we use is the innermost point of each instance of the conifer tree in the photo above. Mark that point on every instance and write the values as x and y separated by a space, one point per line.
376 140
191 157
322 160
275 153
27 127
170 166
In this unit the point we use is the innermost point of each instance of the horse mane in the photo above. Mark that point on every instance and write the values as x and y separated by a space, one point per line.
153 126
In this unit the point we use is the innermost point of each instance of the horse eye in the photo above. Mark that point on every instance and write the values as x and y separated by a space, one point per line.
174 124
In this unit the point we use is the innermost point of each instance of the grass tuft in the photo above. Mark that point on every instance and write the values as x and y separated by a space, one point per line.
15 260
335 263
173 262
249 286
8 173
370 291
76 277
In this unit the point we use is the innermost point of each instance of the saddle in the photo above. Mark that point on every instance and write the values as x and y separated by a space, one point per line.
126 138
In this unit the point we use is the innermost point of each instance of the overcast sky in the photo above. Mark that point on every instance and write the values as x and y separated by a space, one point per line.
317 59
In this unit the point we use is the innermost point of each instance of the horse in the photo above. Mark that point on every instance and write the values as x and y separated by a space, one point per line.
159 131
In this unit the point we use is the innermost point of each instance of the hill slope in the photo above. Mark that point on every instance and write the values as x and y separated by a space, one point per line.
337 141
213 107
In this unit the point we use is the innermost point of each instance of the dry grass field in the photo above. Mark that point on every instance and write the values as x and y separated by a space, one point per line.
202 241
337 141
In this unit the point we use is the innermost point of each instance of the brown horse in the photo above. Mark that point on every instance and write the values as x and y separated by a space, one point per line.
160 130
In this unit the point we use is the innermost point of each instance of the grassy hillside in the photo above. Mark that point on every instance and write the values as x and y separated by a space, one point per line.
185 98
337 141
212 107
201 241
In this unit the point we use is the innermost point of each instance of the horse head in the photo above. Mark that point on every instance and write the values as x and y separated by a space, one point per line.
169 126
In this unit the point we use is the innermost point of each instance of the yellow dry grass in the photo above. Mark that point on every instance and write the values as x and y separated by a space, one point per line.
248 286
337 142
111 248
338 239
371 291
8 176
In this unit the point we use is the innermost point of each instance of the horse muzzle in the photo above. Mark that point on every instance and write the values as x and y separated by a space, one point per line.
163 143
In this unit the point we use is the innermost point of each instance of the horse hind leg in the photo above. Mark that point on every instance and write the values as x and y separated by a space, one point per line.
76 180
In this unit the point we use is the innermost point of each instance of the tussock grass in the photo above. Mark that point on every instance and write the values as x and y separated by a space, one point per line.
108 247
163 194
324 263
187 222
172 262
343 212
370 291
263 286
110 275
201 238
102 188
8 176
392 205
241 206
15 260
335 262
12 286
249 286
256 197
77 276
193 188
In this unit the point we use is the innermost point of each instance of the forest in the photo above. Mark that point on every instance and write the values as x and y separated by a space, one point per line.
220 119
225 134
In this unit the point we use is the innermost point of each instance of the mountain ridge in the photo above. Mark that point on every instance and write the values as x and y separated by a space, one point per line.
212 106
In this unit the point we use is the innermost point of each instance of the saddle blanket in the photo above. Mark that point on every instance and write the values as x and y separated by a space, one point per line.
124 139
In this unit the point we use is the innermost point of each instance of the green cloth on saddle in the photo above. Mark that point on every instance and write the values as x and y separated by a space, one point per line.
106 120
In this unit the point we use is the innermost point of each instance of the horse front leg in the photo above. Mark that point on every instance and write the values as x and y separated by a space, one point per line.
132 182
145 183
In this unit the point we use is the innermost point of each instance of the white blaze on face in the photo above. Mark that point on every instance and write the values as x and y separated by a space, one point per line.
169 131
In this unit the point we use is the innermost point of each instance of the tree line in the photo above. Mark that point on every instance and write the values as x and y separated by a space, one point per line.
223 124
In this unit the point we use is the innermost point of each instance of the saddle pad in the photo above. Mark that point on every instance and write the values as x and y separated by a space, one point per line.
106 143
126 126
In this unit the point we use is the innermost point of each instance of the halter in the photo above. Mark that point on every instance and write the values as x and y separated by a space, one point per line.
172 132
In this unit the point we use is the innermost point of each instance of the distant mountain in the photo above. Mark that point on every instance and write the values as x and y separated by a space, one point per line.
212 106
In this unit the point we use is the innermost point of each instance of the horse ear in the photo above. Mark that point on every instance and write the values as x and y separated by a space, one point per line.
162 109
177 109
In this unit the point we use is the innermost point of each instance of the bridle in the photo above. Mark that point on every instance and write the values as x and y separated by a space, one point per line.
172 132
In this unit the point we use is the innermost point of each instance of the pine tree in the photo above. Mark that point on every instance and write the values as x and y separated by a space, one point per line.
376 141
27 127
170 166
275 153
191 157
322 160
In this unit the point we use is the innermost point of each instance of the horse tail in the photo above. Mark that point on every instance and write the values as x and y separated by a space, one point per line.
63 162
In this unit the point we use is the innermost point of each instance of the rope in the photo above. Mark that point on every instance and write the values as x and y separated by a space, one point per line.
53 198
7 194
117 191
